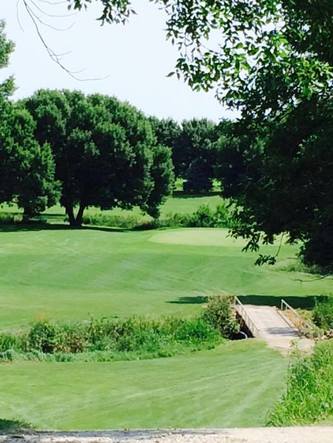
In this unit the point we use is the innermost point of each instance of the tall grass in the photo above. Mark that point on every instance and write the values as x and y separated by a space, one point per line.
128 221
9 219
105 339
203 217
108 339
309 395
322 314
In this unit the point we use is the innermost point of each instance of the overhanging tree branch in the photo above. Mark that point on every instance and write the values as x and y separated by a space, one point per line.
36 18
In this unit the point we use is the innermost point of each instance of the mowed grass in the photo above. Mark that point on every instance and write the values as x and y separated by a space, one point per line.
64 274
234 385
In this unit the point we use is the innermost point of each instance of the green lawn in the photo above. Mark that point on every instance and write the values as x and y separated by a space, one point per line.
72 274
233 385
61 274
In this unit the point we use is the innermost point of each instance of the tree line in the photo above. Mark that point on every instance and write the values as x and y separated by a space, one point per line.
63 146
80 151
274 64
196 147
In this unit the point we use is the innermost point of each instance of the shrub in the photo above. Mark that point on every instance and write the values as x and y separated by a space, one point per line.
220 314
9 219
14 426
43 337
203 217
309 394
127 221
108 339
8 342
195 331
323 314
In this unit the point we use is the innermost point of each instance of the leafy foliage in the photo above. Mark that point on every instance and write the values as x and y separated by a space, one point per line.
280 181
309 394
105 152
277 49
203 217
110 339
195 145
198 177
322 314
220 313
27 168
6 48
163 179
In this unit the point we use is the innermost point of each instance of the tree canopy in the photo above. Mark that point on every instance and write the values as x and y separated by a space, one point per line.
6 48
195 146
281 182
105 151
258 53
26 167
189 140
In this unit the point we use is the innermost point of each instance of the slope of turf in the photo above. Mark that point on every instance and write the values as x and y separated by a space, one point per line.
74 274
233 385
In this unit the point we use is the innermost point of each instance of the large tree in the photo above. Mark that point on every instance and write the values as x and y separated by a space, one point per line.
273 61
105 151
195 141
193 145
167 132
282 181
6 48
26 168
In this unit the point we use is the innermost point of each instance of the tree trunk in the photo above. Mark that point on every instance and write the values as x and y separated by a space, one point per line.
70 215
75 222
27 215
79 216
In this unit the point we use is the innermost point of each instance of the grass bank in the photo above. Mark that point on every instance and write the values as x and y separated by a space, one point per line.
235 384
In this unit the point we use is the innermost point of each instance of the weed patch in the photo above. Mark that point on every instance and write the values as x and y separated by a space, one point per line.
309 395
106 340
322 315
203 217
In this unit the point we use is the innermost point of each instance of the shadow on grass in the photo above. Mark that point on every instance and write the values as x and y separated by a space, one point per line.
9 426
38 226
195 300
302 302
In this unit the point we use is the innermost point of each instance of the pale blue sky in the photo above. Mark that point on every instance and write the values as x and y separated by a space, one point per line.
135 58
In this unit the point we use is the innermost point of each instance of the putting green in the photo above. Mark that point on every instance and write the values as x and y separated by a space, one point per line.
64 274
198 237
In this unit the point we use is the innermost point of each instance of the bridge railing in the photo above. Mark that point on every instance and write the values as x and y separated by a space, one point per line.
295 318
240 308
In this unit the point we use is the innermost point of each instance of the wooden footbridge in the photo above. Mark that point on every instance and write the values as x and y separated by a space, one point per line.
273 325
